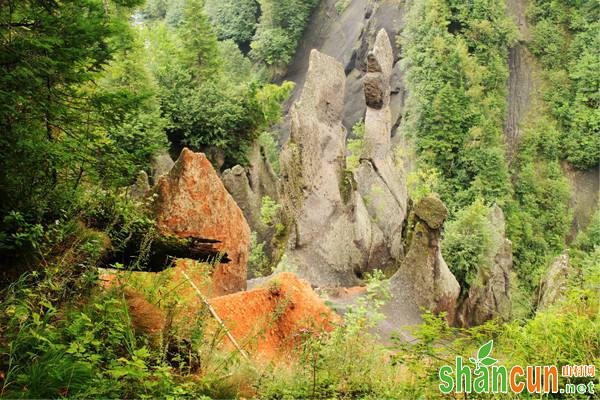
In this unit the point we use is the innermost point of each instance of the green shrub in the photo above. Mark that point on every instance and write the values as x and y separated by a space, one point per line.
467 244
258 262
355 146
234 19
565 38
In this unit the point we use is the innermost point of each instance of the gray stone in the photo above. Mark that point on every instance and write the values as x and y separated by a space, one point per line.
432 211
554 283
321 245
161 165
423 279
141 187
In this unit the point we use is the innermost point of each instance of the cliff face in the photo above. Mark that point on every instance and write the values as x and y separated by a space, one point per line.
347 36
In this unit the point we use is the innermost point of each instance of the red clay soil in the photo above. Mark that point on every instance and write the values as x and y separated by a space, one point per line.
267 321
270 320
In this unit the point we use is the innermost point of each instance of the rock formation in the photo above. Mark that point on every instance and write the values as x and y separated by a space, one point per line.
321 245
193 203
161 165
342 224
554 283
141 187
379 180
348 37
489 295
266 321
423 279
248 186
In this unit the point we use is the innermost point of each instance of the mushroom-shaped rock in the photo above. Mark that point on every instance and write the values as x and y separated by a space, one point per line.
193 203
423 279
432 211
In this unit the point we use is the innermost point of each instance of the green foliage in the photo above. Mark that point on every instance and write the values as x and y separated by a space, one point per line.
210 104
236 68
423 183
280 27
234 19
199 40
211 115
456 55
538 217
566 38
355 146
258 262
268 142
78 108
567 334
468 241
269 209
333 364
341 5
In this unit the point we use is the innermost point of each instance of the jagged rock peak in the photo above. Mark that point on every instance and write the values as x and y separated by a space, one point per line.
323 90
321 246
193 203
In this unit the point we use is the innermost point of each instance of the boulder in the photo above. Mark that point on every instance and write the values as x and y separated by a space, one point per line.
489 296
192 202
554 283
424 279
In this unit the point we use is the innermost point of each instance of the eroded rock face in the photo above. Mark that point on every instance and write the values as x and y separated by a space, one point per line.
489 296
380 181
554 283
343 224
249 185
423 279
192 202
141 186
161 165
321 246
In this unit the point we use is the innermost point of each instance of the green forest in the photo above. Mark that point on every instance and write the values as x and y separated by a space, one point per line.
94 93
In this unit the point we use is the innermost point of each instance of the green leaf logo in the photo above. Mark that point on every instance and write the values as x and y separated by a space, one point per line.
483 358
485 350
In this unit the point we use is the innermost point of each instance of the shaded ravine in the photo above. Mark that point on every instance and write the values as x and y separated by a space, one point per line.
347 37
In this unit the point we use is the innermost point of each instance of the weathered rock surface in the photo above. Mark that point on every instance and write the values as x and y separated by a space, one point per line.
161 165
585 196
380 181
266 321
347 37
343 223
554 283
141 186
489 296
192 202
423 279
321 245
248 186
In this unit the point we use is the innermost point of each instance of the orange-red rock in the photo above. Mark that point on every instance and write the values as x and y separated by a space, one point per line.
267 322
192 202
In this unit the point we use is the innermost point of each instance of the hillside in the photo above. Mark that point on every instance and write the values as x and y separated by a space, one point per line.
285 199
